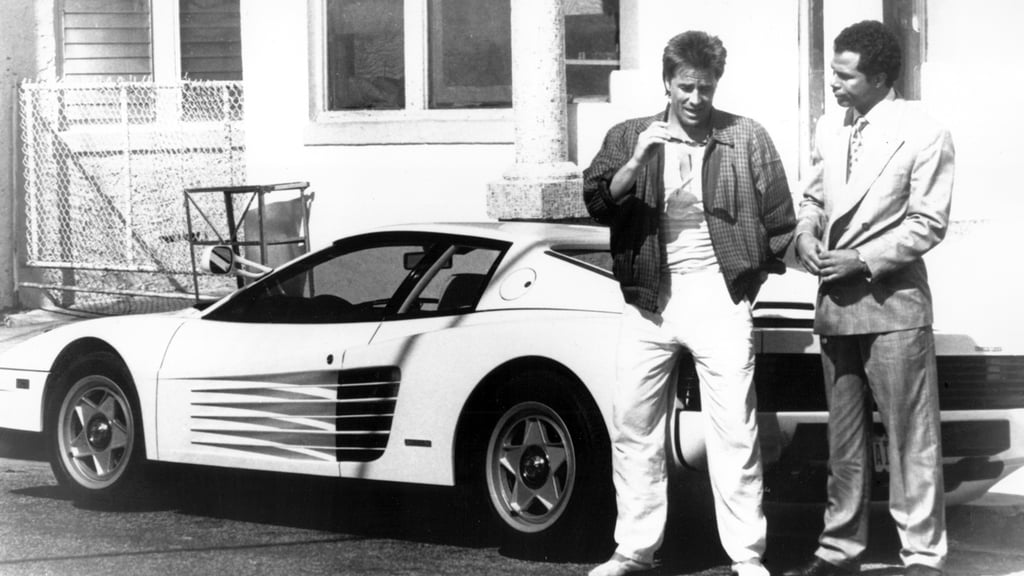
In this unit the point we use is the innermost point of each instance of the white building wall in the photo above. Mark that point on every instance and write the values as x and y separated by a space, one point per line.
971 83
968 82
762 74
27 46
356 186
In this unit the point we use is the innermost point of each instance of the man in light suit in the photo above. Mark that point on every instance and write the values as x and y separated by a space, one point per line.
877 200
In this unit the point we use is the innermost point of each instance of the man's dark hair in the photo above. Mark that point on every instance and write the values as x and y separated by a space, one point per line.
697 49
877 45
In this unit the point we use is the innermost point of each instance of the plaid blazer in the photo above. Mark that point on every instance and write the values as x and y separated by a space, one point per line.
747 204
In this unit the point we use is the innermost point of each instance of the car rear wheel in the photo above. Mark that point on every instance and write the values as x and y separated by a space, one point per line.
94 430
546 470
531 467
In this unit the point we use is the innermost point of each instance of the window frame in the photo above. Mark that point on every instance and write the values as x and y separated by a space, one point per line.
165 53
416 123
908 19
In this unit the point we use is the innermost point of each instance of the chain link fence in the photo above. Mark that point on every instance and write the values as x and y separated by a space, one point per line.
105 169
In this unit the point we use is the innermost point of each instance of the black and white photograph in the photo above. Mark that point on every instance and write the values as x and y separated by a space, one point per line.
545 287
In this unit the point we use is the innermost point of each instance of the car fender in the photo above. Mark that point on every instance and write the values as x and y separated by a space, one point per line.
140 341
434 391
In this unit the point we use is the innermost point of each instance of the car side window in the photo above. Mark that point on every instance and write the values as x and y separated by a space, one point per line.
355 285
458 280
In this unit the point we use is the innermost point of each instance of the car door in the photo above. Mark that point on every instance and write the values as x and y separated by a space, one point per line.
261 382
429 344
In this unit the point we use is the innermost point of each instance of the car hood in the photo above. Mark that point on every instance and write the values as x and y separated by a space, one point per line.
130 336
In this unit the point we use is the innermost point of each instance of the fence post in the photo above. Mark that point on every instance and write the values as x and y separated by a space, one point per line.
65 230
129 225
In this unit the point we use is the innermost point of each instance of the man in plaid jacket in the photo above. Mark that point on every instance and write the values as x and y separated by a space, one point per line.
700 213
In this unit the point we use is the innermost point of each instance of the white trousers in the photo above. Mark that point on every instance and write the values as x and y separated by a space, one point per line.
697 314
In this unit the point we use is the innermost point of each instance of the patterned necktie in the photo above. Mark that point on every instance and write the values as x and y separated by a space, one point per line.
856 141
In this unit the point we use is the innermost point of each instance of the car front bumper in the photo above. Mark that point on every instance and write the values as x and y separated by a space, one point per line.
980 447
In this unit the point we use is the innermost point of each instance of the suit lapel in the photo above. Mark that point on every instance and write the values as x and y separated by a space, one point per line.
877 152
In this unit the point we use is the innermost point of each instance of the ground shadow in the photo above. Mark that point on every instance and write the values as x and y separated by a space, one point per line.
19 445
370 509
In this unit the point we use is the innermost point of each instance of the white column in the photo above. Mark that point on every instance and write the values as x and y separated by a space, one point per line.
542 184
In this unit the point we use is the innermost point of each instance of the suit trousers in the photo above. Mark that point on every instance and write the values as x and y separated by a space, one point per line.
898 370
697 314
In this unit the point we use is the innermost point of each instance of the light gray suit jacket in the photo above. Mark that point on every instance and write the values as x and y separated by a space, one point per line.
893 210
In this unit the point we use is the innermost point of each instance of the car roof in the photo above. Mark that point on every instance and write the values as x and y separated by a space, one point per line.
544 233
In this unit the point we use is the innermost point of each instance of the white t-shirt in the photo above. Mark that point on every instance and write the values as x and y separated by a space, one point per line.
684 230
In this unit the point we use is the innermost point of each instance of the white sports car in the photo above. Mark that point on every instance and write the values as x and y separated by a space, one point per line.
470 355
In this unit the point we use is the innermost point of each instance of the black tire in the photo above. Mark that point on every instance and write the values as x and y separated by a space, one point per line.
543 469
94 431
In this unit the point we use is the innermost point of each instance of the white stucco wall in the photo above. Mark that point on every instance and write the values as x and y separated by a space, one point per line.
966 82
971 84
762 76
356 186
27 51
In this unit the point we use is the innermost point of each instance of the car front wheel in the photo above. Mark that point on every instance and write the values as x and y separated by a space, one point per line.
94 430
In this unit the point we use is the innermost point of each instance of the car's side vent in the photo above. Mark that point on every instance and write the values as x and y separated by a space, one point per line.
300 417
365 411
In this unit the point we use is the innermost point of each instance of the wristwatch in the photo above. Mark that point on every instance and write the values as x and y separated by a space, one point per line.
867 269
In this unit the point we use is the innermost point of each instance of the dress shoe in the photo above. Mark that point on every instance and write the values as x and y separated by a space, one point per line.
750 568
819 567
922 570
619 565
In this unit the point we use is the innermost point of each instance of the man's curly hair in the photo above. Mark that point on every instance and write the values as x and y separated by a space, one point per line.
877 45
694 48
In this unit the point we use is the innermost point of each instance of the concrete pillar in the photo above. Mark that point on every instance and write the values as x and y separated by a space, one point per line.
543 184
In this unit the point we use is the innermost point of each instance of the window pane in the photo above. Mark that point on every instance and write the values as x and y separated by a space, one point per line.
366 279
591 48
458 284
907 20
470 53
352 286
105 39
211 40
365 54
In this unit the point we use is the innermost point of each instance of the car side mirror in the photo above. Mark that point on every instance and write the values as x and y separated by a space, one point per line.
222 260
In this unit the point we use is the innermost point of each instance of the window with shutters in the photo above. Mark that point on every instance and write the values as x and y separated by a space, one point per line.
104 40
591 48
211 40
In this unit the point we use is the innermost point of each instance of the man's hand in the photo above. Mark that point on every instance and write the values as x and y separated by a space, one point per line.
841 264
808 251
647 143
